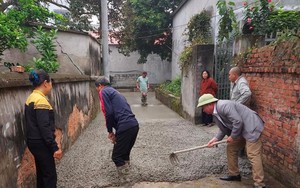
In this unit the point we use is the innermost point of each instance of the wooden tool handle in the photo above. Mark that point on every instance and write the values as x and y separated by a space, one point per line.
199 147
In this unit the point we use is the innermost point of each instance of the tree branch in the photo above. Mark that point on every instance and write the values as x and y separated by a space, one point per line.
58 4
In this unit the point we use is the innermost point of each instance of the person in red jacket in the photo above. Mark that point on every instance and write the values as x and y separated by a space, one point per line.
207 86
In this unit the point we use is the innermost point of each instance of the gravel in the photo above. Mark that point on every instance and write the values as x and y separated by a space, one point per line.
88 163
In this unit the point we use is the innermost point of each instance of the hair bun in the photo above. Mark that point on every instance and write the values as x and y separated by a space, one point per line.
34 78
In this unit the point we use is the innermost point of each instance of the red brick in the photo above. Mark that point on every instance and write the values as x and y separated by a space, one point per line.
286 126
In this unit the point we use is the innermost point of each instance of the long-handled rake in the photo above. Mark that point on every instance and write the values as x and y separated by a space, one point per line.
174 159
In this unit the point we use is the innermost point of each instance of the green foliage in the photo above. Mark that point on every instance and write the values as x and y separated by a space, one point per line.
227 23
44 44
263 17
281 20
81 12
145 26
287 35
256 16
199 28
186 57
173 87
14 23
198 32
11 34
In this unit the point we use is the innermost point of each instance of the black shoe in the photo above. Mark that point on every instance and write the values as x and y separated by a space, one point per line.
231 178
256 186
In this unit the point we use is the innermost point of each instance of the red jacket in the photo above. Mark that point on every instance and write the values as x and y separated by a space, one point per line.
208 86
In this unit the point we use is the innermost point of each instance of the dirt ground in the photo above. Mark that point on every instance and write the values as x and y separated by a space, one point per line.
88 163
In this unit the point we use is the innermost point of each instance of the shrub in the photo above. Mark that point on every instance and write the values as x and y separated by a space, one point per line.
173 87
45 45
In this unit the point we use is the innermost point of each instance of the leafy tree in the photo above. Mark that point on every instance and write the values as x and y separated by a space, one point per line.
145 26
14 22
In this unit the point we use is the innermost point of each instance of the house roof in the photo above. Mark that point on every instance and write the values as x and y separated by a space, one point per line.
179 7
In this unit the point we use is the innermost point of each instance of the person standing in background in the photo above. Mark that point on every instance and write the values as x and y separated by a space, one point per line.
40 129
207 86
142 85
239 92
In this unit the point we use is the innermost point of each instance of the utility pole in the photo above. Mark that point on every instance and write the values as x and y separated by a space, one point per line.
104 37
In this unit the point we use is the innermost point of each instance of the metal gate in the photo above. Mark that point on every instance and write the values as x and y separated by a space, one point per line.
222 65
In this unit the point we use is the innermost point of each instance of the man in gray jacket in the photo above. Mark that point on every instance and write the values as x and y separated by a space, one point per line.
239 90
241 125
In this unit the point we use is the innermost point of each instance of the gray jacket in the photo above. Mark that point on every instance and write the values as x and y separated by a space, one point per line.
240 91
237 120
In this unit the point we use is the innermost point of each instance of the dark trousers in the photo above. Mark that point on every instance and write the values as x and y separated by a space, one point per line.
45 164
124 143
206 118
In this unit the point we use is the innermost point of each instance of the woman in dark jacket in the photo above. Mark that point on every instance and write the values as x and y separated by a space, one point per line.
207 86
40 130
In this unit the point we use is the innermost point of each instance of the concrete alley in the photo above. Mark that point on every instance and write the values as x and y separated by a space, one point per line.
88 163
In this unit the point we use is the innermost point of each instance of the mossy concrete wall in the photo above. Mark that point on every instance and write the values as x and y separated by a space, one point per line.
75 102
171 101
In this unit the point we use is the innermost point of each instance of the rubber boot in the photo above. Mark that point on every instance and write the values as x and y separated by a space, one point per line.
144 99
128 163
124 173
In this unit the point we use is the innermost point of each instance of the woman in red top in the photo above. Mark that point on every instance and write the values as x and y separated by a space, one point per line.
207 85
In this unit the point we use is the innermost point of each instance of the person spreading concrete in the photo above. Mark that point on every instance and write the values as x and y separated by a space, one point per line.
241 125
121 125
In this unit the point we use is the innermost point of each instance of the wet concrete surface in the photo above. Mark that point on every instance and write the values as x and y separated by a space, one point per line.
88 163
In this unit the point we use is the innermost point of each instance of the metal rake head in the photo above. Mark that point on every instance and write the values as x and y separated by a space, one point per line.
174 159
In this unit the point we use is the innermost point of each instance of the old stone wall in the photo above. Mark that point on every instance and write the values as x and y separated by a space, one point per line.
124 70
273 73
171 101
77 53
75 102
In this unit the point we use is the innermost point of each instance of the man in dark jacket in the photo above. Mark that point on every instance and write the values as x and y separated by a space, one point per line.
121 124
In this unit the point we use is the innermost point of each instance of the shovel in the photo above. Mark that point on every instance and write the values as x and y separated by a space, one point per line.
174 159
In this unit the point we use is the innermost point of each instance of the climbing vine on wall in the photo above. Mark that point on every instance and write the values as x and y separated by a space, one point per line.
198 32
228 22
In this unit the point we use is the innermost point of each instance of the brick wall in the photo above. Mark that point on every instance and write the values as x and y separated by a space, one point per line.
273 73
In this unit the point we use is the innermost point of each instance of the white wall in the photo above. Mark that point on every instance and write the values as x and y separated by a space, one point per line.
158 70
193 7
77 53
180 21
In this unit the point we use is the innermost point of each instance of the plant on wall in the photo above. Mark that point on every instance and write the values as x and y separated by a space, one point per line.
15 19
228 23
263 17
43 42
173 87
281 20
256 16
198 32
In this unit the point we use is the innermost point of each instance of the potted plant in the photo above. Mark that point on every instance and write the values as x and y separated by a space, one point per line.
14 68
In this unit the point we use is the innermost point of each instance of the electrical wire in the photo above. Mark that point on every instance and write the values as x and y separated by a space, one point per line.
179 26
